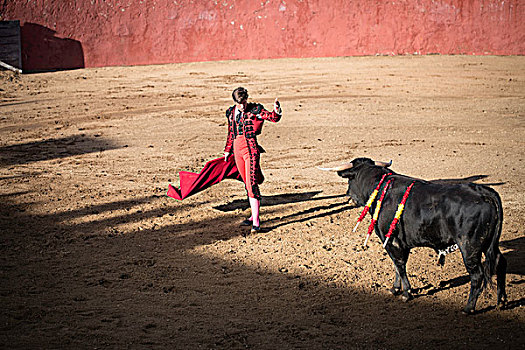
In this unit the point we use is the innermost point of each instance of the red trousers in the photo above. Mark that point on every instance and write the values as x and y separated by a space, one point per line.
246 163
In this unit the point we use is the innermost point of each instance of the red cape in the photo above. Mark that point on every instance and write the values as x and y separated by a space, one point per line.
213 172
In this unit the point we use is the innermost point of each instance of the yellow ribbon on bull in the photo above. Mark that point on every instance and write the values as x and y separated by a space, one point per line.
378 208
399 211
372 198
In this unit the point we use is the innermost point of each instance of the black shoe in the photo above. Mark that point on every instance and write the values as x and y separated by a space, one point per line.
247 222
256 229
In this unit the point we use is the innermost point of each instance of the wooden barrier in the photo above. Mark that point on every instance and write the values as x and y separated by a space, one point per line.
10 46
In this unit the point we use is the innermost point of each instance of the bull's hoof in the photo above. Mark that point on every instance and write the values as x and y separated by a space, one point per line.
502 305
502 301
406 297
468 311
395 291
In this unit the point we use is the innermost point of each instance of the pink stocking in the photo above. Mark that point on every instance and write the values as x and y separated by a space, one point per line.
255 205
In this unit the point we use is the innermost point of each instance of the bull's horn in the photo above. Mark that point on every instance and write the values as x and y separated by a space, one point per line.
383 164
339 168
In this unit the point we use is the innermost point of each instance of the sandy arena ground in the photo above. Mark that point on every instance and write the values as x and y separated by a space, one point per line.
94 255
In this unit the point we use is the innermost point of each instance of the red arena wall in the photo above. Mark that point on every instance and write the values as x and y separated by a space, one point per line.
94 33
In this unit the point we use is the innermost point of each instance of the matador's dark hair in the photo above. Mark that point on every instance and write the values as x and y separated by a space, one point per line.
240 95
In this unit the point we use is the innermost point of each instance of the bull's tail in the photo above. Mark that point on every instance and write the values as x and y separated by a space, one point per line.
492 255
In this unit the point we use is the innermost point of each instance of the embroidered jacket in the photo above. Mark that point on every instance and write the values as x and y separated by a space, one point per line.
250 124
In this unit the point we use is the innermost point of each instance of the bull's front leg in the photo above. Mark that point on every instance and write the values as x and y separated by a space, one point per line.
406 288
396 288
401 284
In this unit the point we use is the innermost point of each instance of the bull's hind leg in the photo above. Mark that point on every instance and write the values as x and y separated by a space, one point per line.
474 268
501 271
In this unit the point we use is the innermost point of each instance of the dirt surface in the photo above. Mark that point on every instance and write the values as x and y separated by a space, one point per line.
94 255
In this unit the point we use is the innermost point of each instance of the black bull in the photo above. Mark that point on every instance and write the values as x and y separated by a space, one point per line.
436 215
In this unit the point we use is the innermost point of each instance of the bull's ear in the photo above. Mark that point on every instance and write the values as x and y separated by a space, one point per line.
347 174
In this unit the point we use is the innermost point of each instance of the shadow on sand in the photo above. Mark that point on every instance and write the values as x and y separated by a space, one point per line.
72 285
516 255
54 148
276 199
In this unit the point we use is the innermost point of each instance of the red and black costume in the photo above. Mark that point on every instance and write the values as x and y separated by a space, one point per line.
243 128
